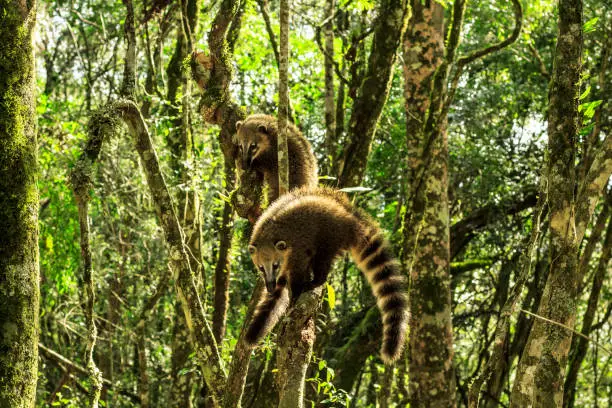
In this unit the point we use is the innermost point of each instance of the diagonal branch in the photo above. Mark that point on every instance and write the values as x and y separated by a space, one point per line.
468 59
263 7
538 57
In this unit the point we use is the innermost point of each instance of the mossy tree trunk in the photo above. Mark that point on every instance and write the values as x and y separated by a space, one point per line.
19 270
427 222
541 370
580 344
427 244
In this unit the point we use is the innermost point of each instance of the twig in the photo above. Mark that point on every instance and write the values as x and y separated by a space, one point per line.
541 64
468 59
601 346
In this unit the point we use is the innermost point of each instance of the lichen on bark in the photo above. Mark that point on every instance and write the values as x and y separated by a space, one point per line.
540 373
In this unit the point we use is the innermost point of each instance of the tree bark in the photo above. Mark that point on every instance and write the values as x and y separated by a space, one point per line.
427 244
540 373
283 99
297 337
580 344
330 109
19 269
423 52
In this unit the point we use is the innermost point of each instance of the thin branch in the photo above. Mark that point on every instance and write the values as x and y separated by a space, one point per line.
283 99
128 88
538 57
604 319
601 346
263 7
66 365
468 59
84 20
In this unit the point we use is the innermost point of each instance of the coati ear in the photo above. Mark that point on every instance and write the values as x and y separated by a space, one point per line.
262 129
252 249
281 245
238 124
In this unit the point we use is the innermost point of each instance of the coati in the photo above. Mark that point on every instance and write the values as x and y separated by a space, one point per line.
294 244
256 139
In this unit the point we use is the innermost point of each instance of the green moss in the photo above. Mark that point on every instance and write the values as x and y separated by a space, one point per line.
19 207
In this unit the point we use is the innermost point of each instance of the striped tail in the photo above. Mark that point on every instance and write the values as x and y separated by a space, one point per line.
270 309
382 270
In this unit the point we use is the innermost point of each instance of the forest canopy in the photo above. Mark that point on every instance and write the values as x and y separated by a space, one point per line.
471 141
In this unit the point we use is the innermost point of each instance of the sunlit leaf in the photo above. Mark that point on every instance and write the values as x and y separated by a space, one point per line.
590 25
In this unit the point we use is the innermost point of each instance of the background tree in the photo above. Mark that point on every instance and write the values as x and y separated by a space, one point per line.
19 270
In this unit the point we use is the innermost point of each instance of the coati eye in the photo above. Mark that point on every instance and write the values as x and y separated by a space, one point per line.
253 146
275 265
281 245
252 249
261 268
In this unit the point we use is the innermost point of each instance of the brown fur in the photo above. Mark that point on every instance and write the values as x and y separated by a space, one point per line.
294 244
257 141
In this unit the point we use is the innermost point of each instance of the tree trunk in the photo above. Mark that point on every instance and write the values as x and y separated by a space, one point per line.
374 89
427 243
432 379
283 99
330 111
540 373
19 270
297 336
580 344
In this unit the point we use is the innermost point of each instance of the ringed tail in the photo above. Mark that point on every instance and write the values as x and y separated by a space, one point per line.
271 307
382 270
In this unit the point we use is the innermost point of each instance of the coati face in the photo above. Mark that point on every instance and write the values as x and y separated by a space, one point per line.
268 259
253 142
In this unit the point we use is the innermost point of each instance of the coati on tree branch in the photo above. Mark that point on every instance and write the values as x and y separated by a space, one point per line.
256 139
294 244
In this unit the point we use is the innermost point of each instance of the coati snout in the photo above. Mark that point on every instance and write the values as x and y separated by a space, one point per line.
268 260
256 142
252 142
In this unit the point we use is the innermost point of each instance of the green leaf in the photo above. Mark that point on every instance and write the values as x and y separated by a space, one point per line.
585 93
588 108
322 364
331 297
330 374
589 26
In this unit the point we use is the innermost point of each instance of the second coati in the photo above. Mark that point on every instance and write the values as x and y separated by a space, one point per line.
257 141
294 244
